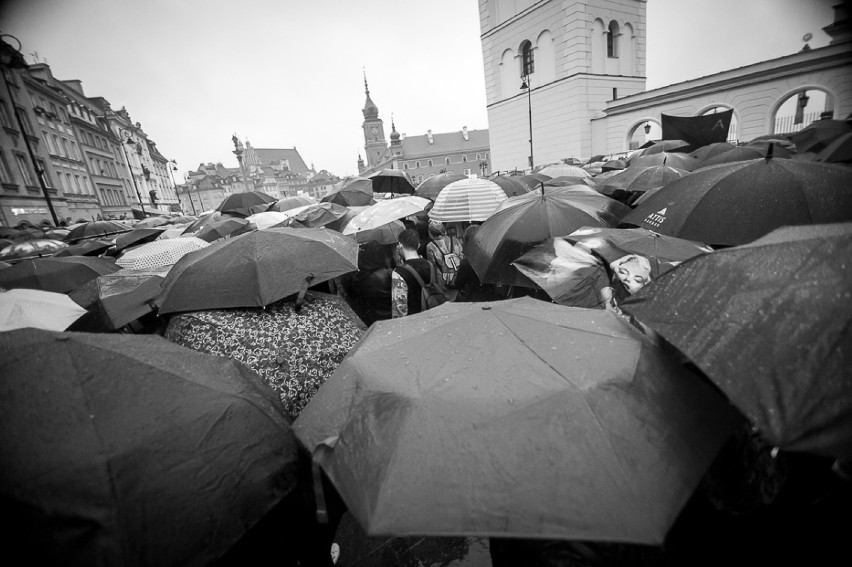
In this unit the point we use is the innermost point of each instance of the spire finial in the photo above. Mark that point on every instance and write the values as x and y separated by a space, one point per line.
393 126
366 88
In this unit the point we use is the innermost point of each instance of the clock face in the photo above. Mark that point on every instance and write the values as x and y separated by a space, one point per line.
374 130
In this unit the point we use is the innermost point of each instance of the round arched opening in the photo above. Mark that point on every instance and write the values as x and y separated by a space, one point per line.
799 109
642 133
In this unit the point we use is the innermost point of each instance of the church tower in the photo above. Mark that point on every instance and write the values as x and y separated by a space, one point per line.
574 55
375 144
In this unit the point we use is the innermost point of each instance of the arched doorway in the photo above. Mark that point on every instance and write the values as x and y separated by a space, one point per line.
642 132
799 108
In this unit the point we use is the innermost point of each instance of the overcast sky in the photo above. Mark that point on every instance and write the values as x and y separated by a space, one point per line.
285 73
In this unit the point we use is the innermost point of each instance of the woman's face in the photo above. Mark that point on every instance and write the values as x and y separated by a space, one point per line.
633 271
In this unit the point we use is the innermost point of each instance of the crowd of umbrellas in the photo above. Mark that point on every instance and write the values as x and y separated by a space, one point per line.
185 390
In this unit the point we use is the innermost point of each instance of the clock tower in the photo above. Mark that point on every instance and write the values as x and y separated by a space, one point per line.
374 131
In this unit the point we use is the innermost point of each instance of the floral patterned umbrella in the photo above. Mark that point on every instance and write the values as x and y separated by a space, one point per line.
294 352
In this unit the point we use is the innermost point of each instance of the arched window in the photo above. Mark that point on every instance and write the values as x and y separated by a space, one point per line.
464 159
446 160
546 55
527 63
612 39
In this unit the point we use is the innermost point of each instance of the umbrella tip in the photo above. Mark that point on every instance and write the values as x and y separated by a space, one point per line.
486 307
769 151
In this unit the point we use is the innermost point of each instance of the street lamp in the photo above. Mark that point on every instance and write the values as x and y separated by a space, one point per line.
173 167
527 84
238 150
647 128
12 58
127 140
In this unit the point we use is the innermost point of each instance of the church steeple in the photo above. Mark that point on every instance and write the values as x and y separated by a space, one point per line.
375 144
371 111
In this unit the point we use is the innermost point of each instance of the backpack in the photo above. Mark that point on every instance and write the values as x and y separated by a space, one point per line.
451 262
435 292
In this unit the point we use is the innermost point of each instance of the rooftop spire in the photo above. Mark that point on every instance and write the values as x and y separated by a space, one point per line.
366 87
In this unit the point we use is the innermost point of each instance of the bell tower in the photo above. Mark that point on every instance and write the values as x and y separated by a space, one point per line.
375 144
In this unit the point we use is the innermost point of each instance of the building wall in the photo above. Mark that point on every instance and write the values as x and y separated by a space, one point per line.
754 93
568 89
21 197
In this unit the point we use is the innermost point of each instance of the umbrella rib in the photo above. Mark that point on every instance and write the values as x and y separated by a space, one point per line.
112 488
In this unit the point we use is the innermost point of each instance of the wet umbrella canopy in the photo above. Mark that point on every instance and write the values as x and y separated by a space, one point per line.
240 204
131 450
59 275
430 187
352 192
393 181
769 323
511 185
137 236
291 203
91 247
735 203
601 438
21 308
509 234
257 268
35 248
294 352
96 229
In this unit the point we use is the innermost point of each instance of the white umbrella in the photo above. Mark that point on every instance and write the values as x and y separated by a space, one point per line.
384 212
564 170
268 219
20 308
160 252
467 200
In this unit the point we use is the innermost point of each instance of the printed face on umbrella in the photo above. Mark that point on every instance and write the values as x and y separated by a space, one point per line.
633 271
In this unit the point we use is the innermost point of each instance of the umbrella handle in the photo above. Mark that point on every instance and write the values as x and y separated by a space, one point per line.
300 299
319 493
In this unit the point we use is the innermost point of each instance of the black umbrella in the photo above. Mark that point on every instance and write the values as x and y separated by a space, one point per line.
352 192
130 450
710 150
641 179
678 160
511 185
665 146
225 226
817 135
204 220
257 269
510 233
770 323
328 215
93 247
59 275
744 153
240 204
613 165
95 229
115 300
736 203
394 181
430 187
137 236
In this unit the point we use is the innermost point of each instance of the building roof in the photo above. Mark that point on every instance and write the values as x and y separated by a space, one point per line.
442 144
269 155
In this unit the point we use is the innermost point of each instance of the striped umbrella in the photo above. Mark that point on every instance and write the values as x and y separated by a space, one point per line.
160 252
467 200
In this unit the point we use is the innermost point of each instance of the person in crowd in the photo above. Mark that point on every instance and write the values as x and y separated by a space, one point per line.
405 290
370 286
445 251
422 227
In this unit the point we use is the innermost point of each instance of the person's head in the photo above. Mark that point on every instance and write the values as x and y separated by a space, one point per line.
633 271
436 230
409 240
